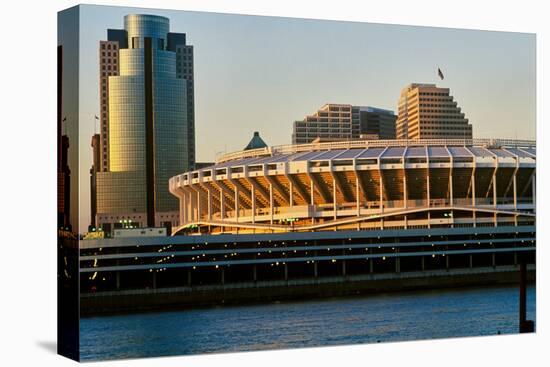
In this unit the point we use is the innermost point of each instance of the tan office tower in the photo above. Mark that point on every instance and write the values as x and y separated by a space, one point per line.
428 112
331 122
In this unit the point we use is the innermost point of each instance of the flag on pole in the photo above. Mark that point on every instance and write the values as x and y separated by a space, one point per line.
440 73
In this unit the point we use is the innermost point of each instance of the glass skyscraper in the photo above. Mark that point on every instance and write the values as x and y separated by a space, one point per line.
147 132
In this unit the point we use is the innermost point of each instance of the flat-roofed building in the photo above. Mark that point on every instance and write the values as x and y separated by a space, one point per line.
331 122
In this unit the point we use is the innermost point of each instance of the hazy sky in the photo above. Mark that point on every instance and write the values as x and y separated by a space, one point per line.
261 73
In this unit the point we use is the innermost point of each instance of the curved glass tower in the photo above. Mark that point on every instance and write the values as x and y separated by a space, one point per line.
148 126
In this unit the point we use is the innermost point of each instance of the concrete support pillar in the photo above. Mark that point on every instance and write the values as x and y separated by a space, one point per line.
189 277
357 195
182 210
405 195
471 261
493 260
334 203
312 201
222 205
422 263
428 197
255 273
236 204
515 259
451 195
271 203
155 280
311 188
398 265
473 183
381 194
118 280
515 186
495 189
447 261
253 199
209 204
371 266
291 193
198 205
286 272
223 276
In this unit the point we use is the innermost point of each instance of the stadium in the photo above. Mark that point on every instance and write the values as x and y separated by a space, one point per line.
328 219
361 185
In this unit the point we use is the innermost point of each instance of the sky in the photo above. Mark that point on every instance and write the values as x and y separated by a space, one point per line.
257 73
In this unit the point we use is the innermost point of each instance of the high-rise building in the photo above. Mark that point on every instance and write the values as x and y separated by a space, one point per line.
428 112
334 122
147 117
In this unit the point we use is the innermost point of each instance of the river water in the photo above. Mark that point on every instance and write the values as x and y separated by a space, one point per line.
335 321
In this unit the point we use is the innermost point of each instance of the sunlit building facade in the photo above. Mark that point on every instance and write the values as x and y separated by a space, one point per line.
361 185
147 130
426 111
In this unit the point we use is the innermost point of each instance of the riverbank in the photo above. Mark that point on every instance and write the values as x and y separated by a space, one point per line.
162 299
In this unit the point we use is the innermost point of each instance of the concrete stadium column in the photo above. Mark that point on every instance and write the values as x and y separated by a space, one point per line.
451 195
199 209
155 279
291 193
253 199
423 263
473 184
428 194
471 261
515 186
371 266
311 188
223 276
495 189
405 194
447 261
189 207
236 203
334 204
312 201
182 210
286 271
381 183
222 205
209 204
189 277
271 203
357 195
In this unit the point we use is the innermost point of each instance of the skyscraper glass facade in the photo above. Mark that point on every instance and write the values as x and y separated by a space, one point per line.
148 132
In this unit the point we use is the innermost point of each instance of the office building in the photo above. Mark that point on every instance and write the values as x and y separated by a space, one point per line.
428 112
146 123
338 122
375 123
